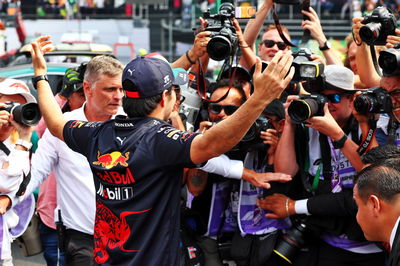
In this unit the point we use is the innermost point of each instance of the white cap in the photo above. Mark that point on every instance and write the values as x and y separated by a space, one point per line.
13 86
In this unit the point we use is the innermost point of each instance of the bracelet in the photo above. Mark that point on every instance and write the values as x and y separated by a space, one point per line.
188 58
241 46
287 207
26 144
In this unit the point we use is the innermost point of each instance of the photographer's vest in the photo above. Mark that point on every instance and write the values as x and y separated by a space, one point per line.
342 175
252 218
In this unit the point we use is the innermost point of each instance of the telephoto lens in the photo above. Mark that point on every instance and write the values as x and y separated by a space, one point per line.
25 114
288 245
306 107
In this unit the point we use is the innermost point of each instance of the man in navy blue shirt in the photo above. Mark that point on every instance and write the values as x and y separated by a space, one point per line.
137 161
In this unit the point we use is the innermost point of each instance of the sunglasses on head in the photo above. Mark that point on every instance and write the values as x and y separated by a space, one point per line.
216 108
271 43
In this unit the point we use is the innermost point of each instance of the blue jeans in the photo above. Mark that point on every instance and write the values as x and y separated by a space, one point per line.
51 253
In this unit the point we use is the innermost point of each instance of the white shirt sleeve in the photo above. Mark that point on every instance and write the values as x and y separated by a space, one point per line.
224 166
300 206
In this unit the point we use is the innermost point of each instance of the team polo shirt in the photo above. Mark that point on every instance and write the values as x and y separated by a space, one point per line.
137 168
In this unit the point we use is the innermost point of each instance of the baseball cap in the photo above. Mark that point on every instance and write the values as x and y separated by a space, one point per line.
13 86
145 77
339 78
180 74
239 71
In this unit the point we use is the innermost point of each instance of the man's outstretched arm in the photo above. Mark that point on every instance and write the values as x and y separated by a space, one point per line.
48 106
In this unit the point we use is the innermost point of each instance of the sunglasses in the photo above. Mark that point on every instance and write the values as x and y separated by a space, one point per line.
271 43
179 97
228 109
335 97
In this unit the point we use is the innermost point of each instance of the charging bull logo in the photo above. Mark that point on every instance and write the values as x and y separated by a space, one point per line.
110 160
110 232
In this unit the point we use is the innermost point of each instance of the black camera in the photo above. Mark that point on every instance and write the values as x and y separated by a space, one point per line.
389 61
252 140
306 107
25 114
289 244
374 100
305 68
378 26
224 41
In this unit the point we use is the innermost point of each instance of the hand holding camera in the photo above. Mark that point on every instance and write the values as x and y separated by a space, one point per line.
275 78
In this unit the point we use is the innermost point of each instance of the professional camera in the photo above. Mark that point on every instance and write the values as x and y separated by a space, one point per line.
26 114
190 108
288 245
378 26
374 100
306 107
389 61
224 41
305 68
252 140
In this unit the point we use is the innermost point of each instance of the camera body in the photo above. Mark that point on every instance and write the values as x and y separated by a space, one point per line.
374 100
305 68
224 41
252 140
378 26
27 114
294 239
389 61
306 107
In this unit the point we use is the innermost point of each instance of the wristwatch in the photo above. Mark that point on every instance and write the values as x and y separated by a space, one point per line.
327 46
36 79
24 143
338 144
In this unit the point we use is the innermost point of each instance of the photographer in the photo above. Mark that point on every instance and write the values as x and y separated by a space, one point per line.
324 152
15 145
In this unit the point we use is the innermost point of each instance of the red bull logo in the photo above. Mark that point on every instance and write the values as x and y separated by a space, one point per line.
110 160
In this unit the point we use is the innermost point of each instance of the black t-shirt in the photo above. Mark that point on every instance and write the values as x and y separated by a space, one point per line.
137 167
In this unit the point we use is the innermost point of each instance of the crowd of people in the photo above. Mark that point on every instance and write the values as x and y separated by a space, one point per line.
274 168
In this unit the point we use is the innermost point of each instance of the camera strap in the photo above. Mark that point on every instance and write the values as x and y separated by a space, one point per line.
374 60
306 33
24 184
4 148
279 28
364 146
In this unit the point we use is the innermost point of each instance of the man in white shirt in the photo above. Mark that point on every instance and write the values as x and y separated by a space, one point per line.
75 187
377 194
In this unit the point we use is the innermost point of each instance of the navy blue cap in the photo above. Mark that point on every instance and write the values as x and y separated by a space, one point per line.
145 77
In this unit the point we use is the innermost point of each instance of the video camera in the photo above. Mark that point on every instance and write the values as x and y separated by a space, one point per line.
224 41
381 23
305 68
374 100
27 114
389 61
306 107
